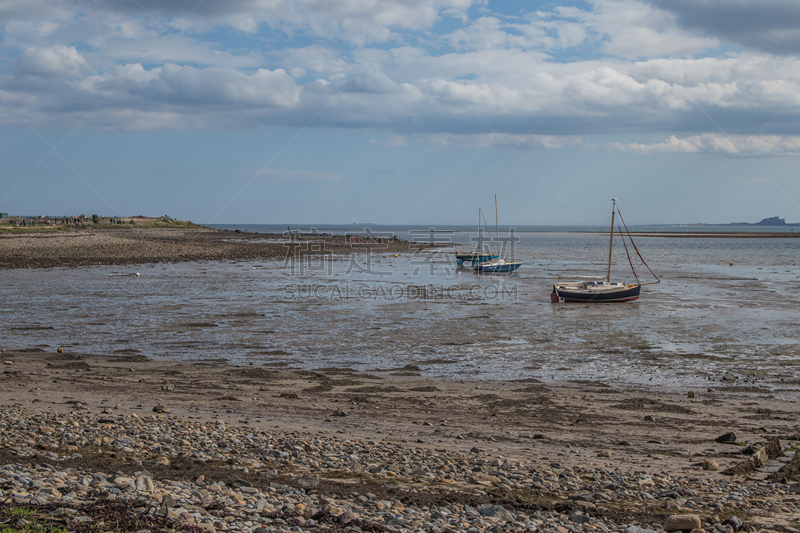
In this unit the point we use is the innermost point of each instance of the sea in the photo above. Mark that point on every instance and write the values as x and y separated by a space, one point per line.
724 313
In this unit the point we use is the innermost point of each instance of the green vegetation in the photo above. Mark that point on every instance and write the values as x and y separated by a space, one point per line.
138 223
28 521
9 228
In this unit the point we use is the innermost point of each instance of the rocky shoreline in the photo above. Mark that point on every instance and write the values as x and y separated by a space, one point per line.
101 443
87 246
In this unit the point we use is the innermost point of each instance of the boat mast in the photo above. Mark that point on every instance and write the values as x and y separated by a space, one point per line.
480 234
497 222
611 243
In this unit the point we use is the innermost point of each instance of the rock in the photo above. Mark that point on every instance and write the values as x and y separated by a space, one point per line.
728 377
160 409
636 529
682 522
734 522
495 511
346 517
8 362
168 501
690 394
308 481
795 488
710 465
60 349
144 484
580 519
339 413
726 437
649 418
604 453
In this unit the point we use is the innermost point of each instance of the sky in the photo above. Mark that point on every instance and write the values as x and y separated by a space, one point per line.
401 111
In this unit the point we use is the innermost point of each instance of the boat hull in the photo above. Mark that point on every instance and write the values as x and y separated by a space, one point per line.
474 258
615 295
489 268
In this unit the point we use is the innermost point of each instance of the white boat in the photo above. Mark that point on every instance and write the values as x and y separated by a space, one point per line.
600 290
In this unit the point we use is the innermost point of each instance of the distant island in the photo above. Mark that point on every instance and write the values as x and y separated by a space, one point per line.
771 221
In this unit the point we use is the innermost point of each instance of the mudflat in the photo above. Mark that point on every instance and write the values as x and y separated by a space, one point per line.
87 246
442 454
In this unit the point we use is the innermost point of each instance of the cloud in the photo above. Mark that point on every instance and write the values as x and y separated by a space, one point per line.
772 26
190 86
54 61
393 140
712 143
485 140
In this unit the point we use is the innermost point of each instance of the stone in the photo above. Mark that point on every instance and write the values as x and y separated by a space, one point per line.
339 413
144 484
168 501
160 409
726 437
495 511
682 522
734 522
308 481
8 362
346 517
604 453
580 519
710 465
649 418
60 349
728 377
690 394
637 529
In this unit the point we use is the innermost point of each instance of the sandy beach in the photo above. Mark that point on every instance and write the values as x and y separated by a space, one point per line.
617 457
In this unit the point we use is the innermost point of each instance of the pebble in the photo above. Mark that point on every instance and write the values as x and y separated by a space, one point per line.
303 506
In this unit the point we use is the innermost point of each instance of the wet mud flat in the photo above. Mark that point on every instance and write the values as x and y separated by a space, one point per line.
87 246
394 448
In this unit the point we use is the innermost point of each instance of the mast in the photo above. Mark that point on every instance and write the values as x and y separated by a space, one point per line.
497 222
611 242
480 234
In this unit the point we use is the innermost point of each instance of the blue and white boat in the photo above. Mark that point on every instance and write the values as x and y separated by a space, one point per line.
476 256
497 265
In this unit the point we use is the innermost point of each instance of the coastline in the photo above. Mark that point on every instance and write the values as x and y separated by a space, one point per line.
88 246
542 434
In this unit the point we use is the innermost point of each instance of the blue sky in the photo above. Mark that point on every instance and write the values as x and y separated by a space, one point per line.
401 111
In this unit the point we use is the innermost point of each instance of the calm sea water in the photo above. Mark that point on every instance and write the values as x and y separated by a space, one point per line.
723 305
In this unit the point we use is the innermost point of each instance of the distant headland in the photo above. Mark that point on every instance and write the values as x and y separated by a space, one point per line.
771 221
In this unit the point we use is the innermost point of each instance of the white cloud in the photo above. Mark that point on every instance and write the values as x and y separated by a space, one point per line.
485 140
185 86
392 140
713 143
54 61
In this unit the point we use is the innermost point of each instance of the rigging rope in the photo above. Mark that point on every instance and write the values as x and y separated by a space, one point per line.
634 247
627 252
